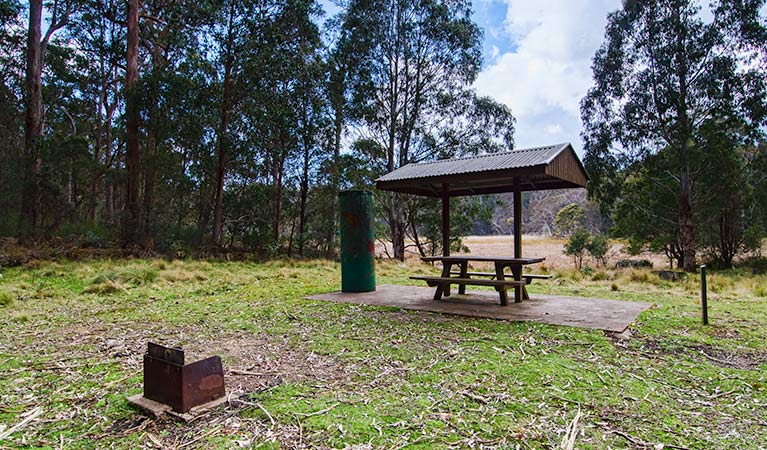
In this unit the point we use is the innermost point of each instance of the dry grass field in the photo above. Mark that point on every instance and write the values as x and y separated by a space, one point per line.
547 247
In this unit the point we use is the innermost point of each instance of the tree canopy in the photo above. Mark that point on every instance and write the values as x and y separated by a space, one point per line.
670 90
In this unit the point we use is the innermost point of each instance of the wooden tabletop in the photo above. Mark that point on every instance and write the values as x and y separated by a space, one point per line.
493 259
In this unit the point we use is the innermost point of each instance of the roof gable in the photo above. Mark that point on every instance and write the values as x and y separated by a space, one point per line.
548 167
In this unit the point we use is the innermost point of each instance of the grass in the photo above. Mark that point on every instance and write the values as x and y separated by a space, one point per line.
72 335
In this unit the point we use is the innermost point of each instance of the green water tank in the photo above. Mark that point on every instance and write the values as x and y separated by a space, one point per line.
358 272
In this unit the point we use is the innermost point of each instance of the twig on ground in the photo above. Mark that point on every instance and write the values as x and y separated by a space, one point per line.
567 400
320 412
29 417
157 442
568 441
477 397
722 394
271 419
114 382
249 374
716 360
198 438
642 443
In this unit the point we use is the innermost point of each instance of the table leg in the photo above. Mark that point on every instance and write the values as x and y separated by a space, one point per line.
525 295
464 269
501 291
446 267
519 291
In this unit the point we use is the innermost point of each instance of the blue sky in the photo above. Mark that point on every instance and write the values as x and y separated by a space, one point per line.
537 61
537 56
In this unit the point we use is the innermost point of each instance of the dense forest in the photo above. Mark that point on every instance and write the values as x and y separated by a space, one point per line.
231 125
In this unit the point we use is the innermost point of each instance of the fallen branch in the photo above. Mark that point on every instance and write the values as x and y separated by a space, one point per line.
320 412
249 374
642 443
198 439
271 419
30 416
476 397
568 441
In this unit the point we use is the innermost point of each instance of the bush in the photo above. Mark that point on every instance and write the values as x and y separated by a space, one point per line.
633 263
752 239
597 247
576 246
568 220
6 297
758 266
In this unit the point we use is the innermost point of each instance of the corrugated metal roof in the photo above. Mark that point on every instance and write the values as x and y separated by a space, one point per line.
527 157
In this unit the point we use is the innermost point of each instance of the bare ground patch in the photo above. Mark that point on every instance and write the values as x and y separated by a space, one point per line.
741 358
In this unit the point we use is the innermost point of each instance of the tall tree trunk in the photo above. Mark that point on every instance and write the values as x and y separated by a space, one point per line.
395 213
33 124
277 169
335 182
98 132
109 160
132 218
686 219
150 153
218 211
304 191
109 206
687 224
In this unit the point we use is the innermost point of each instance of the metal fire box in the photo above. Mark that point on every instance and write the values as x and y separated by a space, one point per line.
169 381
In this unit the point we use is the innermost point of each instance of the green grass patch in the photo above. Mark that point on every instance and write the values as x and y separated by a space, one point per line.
328 375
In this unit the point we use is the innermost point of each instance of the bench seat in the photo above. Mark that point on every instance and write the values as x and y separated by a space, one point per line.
528 276
503 284
443 285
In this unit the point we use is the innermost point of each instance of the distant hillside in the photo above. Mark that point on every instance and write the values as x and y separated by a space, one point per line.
539 209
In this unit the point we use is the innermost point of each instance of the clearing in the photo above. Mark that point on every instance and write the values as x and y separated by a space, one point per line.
327 375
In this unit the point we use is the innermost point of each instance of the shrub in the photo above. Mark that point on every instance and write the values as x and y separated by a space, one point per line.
597 247
576 246
634 263
758 266
752 239
568 220
6 297
600 276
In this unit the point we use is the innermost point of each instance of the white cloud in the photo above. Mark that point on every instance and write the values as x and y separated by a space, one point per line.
543 79
495 52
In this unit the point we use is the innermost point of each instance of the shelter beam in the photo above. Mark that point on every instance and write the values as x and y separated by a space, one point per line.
517 218
445 220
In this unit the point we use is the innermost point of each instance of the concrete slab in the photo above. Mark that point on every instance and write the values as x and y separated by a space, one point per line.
594 313
157 409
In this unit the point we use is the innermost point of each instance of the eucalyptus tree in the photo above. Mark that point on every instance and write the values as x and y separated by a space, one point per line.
313 122
98 37
169 29
37 43
131 220
662 74
281 108
413 64
227 37
12 35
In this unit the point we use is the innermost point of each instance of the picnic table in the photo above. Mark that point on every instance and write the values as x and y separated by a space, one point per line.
496 279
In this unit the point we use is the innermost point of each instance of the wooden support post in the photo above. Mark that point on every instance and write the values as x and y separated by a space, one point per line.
703 294
517 218
445 221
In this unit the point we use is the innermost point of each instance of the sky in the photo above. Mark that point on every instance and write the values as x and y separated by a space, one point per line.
537 61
